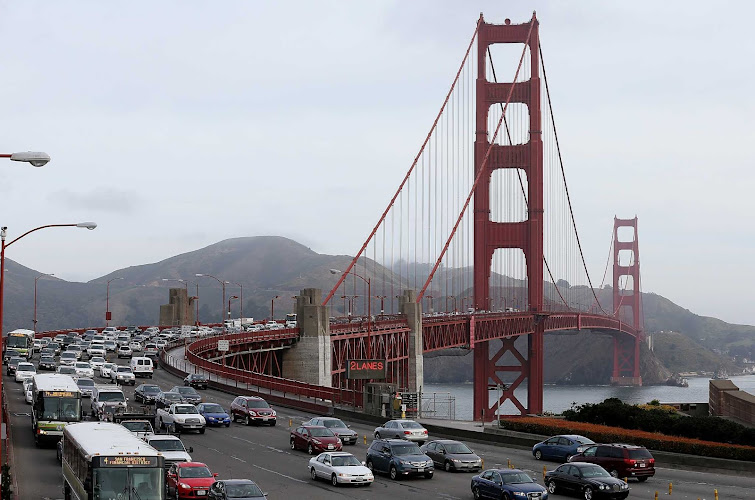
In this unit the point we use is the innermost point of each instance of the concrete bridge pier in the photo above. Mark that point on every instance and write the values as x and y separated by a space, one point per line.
407 304
309 359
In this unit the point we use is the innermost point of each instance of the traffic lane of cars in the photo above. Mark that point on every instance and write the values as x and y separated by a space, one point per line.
692 483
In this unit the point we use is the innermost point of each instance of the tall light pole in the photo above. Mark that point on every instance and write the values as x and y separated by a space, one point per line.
222 302
241 301
37 159
272 307
35 298
382 303
3 245
229 304
369 306
350 298
108 314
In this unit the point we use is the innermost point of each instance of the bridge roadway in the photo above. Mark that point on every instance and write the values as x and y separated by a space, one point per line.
262 453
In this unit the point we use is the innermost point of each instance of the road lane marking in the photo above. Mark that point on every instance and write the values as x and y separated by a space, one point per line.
239 459
283 475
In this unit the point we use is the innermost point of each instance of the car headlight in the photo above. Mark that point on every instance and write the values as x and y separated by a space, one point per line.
184 486
602 487
625 486
429 463
520 494
455 460
252 413
316 441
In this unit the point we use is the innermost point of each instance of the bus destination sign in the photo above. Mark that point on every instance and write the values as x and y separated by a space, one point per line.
128 461
365 369
60 394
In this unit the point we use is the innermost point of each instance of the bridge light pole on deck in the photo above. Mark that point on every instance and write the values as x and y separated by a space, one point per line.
369 307
241 302
229 304
3 245
108 314
35 298
222 302
382 303
272 307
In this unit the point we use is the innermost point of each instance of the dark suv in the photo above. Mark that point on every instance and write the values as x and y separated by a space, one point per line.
620 460
252 409
399 458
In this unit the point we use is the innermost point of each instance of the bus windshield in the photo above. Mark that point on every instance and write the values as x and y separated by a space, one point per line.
134 483
61 409
21 341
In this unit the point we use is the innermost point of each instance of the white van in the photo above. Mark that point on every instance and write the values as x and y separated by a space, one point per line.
142 366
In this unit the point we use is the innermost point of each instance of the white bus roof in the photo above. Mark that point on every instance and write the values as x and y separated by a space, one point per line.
23 331
107 439
55 382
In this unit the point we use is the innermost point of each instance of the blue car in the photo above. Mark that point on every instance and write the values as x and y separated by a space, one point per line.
508 484
561 447
214 414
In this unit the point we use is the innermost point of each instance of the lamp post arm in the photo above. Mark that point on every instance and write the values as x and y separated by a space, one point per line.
37 229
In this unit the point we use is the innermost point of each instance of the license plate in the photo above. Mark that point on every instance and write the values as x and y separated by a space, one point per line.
201 493
265 419
641 465
421 469
330 446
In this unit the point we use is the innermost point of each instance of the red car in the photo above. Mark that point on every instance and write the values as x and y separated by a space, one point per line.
315 439
189 480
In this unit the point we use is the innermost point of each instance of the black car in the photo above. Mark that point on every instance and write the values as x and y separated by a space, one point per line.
586 480
238 489
399 458
188 393
506 483
165 399
197 380
147 393
13 362
47 363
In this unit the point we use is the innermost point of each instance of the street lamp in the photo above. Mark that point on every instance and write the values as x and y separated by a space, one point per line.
108 314
229 304
382 303
241 301
272 307
3 245
350 298
222 283
37 159
35 298
369 307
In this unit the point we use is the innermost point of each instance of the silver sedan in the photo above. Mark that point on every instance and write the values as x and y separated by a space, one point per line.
339 468
402 429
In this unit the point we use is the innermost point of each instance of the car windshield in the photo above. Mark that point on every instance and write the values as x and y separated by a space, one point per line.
242 490
136 426
321 432
187 391
255 403
47 359
97 359
124 369
66 370
185 409
346 461
190 472
85 382
151 389
26 367
411 425
406 449
172 396
167 445
334 424
635 454
458 448
68 354
111 397
594 472
516 478
82 365
213 409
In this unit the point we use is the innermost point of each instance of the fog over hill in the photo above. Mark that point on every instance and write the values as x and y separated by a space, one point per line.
269 266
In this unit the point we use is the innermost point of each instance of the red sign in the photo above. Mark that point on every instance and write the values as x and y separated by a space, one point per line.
365 368
108 315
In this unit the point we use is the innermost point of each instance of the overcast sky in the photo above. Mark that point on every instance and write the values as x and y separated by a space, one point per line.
177 124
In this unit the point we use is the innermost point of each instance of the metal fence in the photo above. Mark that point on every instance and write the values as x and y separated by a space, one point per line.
440 405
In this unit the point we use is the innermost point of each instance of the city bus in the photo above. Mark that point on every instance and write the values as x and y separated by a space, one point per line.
103 460
56 402
20 342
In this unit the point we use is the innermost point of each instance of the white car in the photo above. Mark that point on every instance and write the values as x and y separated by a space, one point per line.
339 468
25 371
67 358
96 349
83 369
27 390
160 343
86 386
135 346
122 375
105 369
124 351
97 363
171 447
181 417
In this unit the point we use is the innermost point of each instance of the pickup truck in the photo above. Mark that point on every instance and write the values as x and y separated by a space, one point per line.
181 417
139 420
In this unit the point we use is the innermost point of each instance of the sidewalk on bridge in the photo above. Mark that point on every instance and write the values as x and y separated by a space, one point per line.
453 429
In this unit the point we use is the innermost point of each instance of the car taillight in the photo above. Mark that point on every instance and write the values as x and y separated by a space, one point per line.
407 432
629 461
424 432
